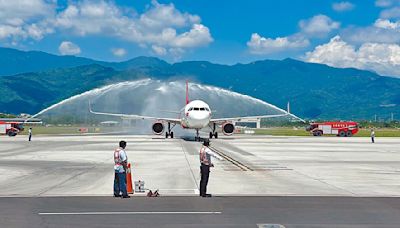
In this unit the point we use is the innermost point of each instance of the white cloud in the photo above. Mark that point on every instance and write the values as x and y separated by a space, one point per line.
23 19
315 27
159 50
382 31
387 24
318 26
379 57
386 3
119 52
390 13
160 16
342 6
68 48
22 10
161 25
261 45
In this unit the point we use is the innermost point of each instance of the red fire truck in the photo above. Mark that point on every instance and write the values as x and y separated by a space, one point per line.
342 129
11 128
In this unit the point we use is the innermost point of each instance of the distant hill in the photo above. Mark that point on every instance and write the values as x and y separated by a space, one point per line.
14 61
31 92
315 91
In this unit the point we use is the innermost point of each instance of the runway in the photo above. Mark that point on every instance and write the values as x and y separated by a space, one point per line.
264 182
196 212
276 166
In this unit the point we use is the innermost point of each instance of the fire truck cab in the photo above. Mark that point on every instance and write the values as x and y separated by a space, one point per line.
11 128
342 129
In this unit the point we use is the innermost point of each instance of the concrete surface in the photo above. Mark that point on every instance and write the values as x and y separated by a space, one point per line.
282 166
196 212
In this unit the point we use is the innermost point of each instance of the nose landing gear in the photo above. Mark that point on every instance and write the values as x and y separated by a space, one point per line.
197 137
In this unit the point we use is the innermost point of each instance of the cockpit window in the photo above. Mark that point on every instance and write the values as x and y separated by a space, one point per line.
196 109
202 109
207 109
190 109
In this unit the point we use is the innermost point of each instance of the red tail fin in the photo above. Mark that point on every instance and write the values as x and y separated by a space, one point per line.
187 92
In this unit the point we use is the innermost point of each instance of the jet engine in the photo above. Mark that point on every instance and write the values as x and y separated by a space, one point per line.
158 128
228 128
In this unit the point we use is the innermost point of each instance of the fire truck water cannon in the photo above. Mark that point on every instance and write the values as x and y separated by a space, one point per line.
342 129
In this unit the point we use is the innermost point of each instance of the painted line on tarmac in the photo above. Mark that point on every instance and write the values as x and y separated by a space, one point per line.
133 213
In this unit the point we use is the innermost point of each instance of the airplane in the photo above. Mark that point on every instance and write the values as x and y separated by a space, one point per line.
196 115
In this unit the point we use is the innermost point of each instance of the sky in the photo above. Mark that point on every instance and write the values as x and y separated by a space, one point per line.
364 34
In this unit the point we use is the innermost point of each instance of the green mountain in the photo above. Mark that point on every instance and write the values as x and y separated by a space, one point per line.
31 92
314 90
14 61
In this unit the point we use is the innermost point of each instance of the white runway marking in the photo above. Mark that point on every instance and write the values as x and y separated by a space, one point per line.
132 213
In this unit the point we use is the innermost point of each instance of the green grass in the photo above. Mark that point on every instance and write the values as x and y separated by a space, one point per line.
282 131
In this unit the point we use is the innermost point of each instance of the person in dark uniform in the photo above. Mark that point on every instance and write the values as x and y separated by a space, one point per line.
372 136
205 164
30 134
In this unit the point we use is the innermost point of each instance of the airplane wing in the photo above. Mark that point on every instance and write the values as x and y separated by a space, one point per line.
130 116
287 113
247 117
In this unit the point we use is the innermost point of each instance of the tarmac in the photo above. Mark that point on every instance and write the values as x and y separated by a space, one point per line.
268 166
263 181
196 212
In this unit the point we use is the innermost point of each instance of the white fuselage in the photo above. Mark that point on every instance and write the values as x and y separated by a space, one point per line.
196 115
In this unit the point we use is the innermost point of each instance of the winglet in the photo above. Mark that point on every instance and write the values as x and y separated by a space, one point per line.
187 92
288 107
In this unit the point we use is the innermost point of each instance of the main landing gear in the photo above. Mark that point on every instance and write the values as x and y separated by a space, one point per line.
169 133
213 133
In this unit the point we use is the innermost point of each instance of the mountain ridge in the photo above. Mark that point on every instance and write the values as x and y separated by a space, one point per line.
314 90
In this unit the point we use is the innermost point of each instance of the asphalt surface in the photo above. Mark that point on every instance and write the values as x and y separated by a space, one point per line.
269 166
289 212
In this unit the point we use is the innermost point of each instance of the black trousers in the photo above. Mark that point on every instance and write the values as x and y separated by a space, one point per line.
205 173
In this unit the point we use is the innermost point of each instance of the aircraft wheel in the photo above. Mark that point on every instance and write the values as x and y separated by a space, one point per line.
166 135
172 135
211 135
216 135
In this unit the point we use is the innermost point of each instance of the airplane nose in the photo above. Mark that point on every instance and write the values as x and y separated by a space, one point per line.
200 116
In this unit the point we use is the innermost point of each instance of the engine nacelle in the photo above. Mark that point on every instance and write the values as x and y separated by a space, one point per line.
228 128
158 128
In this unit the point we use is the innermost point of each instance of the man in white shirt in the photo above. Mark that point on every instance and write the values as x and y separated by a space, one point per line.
120 166
205 164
